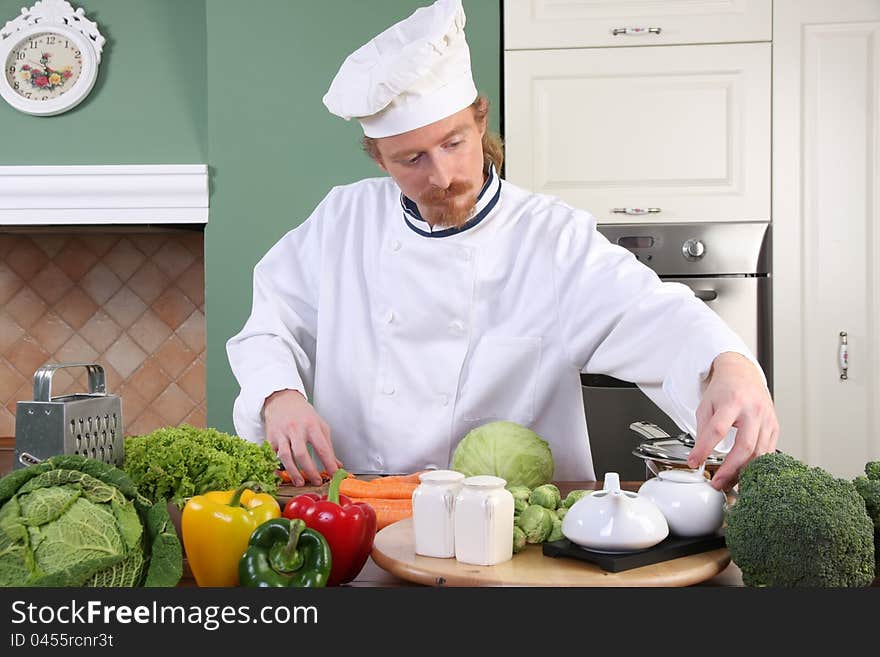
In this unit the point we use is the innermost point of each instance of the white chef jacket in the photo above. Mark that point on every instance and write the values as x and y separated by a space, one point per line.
405 338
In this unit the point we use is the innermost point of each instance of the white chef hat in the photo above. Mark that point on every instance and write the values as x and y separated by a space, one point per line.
416 72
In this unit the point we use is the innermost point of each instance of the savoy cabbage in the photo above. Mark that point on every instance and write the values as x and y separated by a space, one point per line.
74 521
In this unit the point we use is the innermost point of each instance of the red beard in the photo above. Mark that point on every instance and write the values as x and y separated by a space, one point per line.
450 207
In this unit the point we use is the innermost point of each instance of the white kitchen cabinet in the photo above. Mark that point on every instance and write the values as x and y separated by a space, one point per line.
681 129
826 216
530 24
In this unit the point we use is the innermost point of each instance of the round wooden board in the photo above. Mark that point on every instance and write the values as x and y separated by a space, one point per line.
394 550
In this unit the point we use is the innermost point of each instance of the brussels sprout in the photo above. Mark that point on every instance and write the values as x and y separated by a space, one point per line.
519 505
546 496
573 497
520 492
556 532
537 522
519 540
560 512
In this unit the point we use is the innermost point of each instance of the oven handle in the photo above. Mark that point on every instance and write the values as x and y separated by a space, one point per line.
706 295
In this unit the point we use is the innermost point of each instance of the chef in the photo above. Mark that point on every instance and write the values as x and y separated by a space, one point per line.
410 308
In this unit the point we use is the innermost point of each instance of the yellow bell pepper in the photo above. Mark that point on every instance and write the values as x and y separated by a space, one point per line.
216 528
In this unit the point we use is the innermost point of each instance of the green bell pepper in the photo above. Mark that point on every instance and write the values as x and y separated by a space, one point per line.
285 553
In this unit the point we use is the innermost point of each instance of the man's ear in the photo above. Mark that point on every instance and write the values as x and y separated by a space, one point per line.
378 161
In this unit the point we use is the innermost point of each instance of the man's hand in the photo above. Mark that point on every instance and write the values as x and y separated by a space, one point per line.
735 397
291 424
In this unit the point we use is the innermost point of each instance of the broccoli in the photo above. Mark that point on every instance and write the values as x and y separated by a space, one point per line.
793 525
869 488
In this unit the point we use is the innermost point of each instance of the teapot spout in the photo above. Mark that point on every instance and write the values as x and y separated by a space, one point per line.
612 482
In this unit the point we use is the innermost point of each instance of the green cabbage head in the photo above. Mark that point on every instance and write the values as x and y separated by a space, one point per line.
74 521
507 450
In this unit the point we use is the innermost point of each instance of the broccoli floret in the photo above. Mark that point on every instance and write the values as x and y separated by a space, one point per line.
793 525
869 488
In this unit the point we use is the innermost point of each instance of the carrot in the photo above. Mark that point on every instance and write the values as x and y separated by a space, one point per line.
401 490
407 478
388 511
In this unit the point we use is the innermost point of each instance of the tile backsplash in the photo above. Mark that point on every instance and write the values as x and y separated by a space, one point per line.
131 300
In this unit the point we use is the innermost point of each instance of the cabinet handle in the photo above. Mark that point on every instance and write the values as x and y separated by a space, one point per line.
635 210
635 31
843 356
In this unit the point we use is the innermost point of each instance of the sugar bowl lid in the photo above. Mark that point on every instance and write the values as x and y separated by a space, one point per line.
614 520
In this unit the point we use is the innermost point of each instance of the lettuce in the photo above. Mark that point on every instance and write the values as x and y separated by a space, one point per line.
507 450
179 462
74 521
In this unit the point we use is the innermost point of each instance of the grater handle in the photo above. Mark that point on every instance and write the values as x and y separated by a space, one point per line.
43 379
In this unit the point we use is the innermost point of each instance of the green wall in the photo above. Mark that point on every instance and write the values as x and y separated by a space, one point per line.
149 101
275 149
237 85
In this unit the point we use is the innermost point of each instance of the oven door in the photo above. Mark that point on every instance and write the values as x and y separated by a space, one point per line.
611 405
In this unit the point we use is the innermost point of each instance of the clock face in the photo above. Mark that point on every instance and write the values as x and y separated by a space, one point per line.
43 66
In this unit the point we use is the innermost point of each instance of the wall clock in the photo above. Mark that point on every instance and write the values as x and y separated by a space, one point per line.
50 56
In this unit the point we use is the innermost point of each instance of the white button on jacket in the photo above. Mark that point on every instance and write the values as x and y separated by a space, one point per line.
542 297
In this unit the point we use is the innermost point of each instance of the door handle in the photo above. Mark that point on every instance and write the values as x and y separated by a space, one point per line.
706 295
635 31
635 210
843 356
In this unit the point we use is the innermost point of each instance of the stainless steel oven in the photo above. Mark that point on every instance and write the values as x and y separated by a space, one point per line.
727 265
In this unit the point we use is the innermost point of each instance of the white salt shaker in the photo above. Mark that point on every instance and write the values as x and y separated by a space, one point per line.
433 512
483 521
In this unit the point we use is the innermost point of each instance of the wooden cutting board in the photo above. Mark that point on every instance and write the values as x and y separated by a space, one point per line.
394 550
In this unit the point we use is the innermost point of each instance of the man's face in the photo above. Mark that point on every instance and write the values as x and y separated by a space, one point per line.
439 166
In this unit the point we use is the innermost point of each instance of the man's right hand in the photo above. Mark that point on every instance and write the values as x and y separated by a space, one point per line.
291 424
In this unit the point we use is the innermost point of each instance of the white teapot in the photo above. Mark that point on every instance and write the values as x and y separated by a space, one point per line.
614 520
688 501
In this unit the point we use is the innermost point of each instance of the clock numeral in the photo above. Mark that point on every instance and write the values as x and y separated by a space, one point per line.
11 70
20 55
32 44
44 98
77 54
16 86
29 94
50 40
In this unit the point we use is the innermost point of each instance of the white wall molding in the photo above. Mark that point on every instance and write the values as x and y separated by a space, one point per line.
104 194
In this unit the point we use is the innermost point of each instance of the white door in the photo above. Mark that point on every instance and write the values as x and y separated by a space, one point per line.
681 130
603 23
826 215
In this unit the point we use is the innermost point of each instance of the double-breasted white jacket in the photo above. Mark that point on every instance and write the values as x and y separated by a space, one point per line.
404 338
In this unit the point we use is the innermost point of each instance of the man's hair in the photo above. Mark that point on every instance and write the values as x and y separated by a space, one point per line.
493 146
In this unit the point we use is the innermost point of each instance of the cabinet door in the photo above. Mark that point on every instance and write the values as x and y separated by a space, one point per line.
826 198
682 129
603 23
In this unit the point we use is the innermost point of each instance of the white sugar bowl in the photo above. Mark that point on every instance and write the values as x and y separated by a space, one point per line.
688 501
614 520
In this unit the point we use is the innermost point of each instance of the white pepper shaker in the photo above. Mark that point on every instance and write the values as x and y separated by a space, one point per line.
433 512
484 521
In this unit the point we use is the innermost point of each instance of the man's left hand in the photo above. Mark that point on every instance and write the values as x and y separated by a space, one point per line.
735 397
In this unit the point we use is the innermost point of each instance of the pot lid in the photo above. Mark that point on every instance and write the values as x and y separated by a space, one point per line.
673 451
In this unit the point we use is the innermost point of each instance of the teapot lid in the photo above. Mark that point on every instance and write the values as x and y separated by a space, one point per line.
683 476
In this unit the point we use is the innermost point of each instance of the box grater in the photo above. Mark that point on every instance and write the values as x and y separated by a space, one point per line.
89 424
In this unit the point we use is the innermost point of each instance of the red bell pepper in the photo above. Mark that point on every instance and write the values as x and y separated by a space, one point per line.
349 527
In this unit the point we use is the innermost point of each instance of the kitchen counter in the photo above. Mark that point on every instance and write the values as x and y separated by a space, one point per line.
374 576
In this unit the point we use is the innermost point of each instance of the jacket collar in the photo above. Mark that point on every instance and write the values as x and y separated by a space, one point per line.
486 200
